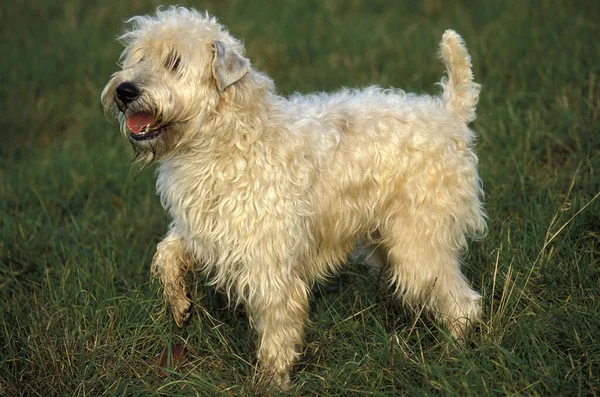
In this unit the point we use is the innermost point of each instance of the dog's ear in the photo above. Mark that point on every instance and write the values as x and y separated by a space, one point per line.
228 65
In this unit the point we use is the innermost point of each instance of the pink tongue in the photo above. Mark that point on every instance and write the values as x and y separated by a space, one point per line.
137 122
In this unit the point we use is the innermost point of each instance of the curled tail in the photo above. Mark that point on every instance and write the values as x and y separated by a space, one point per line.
460 92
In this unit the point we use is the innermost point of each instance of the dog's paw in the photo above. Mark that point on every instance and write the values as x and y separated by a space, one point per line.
182 310
269 376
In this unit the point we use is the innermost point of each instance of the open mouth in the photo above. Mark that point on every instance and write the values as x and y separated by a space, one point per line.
140 126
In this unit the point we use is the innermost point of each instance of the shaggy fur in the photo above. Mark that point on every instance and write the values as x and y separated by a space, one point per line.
269 194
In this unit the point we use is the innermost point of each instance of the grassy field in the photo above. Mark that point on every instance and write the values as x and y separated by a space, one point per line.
80 316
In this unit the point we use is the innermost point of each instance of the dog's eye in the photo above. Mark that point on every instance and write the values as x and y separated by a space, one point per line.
172 62
175 65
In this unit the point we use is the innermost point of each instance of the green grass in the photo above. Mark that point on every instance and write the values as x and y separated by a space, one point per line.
79 315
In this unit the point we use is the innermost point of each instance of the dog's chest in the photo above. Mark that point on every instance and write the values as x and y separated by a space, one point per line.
225 210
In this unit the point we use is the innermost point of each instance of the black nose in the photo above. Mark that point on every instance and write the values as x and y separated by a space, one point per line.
127 92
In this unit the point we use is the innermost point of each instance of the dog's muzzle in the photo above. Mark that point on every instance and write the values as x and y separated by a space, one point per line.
141 125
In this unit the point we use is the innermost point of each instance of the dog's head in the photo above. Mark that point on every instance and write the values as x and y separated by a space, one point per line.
176 67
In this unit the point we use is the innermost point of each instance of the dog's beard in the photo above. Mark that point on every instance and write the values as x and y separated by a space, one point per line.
148 151
155 148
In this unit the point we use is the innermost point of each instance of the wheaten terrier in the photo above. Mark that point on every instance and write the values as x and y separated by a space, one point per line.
269 194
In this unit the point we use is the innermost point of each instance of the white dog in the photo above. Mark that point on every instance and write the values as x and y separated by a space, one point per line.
269 194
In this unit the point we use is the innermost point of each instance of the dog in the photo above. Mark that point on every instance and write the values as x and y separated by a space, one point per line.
269 194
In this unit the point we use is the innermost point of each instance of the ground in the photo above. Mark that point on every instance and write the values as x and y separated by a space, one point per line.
79 225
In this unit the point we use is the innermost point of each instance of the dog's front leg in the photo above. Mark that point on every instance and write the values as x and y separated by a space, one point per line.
170 264
278 310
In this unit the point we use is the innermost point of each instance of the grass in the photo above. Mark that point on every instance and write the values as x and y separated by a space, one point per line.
79 315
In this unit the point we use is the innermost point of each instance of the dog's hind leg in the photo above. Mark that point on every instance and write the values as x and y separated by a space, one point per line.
170 263
425 269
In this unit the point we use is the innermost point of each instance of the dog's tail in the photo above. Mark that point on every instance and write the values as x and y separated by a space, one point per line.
460 92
